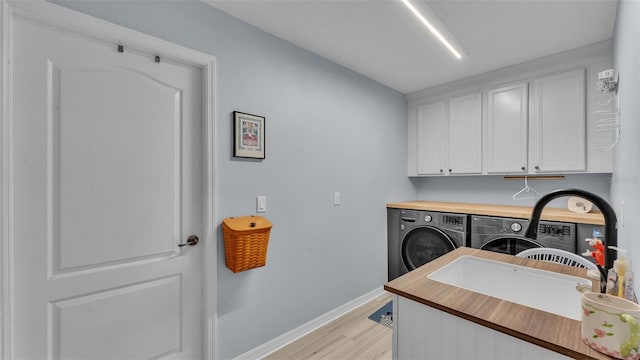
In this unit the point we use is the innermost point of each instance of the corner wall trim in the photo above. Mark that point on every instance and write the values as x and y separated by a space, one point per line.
304 329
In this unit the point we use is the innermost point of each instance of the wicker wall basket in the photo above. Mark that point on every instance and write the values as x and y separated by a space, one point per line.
245 242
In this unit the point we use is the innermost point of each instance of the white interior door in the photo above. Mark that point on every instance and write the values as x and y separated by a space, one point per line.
107 182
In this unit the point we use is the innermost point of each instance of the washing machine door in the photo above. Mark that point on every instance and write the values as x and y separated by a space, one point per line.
424 244
511 245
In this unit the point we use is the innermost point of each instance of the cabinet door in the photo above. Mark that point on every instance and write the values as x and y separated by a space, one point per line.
558 136
431 138
465 134
506 129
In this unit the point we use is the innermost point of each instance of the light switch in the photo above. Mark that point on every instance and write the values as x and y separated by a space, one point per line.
336 198
261 204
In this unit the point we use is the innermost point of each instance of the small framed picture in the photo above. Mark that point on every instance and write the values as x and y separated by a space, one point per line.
248 135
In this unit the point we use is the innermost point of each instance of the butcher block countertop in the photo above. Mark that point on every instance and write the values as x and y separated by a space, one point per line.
545 329
522 212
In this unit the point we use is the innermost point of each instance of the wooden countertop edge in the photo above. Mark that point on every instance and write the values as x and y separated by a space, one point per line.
522 212
405 286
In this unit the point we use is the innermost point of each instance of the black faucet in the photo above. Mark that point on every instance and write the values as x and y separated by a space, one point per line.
610 222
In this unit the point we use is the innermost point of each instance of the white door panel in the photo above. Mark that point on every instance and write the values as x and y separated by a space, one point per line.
506 128
432 132
77 337
107 158
559 123
116 169
465 134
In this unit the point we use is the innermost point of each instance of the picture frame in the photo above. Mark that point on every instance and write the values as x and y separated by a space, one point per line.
248 135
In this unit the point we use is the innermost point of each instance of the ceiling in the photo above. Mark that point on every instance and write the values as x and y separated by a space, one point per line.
382 40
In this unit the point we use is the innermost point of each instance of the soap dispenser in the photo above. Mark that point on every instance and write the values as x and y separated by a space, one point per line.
618 274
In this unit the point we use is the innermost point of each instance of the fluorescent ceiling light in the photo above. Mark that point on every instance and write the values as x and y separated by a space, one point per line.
434 31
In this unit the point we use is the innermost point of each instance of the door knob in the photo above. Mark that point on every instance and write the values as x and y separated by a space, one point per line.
191 241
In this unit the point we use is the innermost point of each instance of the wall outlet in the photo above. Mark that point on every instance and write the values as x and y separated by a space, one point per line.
261 204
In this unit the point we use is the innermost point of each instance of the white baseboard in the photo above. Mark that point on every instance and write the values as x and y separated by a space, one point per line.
302 330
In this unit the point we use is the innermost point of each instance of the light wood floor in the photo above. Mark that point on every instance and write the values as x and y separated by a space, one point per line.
352 336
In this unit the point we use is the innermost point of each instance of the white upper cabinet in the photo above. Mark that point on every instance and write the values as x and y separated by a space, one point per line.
465 134
431 133
507 129
449 136
545 135
541 117
558 123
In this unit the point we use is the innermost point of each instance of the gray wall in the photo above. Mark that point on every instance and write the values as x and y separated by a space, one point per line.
626 180
496 190
328 129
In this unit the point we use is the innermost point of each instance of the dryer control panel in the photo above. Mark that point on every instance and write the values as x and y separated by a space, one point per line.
559 235
554 229
453 220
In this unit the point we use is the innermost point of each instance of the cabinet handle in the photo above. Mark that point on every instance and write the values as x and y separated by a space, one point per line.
523 168
537 167
441 170
449 170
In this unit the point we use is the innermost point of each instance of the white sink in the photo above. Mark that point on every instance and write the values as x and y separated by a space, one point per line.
540 289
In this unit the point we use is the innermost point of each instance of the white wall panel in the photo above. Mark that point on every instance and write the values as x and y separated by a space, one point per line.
428 333
625 185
